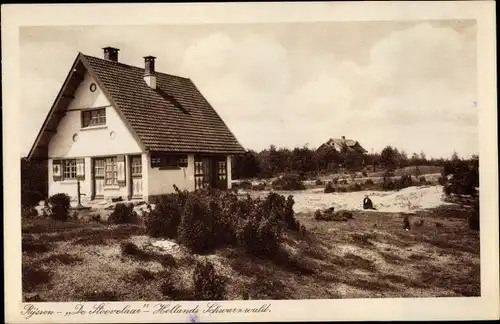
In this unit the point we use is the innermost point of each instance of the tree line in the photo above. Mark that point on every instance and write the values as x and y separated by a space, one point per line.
274 161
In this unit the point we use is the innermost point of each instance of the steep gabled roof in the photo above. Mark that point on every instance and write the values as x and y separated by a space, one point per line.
174 117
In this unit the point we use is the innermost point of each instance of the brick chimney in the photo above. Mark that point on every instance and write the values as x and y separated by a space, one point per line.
149 71
111 53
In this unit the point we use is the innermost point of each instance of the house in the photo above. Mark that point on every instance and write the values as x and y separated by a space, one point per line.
341 144
131 132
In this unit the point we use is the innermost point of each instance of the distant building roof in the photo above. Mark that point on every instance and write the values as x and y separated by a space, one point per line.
339 143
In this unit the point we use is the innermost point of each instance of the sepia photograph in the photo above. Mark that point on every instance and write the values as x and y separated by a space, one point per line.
250 161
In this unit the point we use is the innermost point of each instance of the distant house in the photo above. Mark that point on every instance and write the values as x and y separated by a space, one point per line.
132 132
342 143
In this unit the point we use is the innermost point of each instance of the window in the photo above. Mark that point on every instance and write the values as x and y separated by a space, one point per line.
69 169
111 172
94 117
159 160
221 170
136 164
99 168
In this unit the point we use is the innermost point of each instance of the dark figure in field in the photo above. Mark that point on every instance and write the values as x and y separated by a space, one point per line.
406 223
367 203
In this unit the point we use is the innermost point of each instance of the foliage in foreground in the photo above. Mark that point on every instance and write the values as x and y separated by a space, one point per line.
59 206
205 219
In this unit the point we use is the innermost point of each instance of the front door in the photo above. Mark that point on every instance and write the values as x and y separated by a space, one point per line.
203 172
210 172
98 178
136 176
220 172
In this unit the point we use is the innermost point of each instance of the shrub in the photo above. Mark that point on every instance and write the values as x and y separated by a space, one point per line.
319 182
196 225
59 205
123 213
31 198
473 221
387 183
28 212
174 289
422 180
331 215
335 180
208 285
33 276
369 182
164 220
329 187
31 245
132 250
260 234
288 182
404 182
355 187
442 180
364 174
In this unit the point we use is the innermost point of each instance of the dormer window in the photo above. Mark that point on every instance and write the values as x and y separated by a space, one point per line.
94 117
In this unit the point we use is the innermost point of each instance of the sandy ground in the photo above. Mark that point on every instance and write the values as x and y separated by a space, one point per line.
407 200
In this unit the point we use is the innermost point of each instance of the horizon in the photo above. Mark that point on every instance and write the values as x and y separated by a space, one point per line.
292 84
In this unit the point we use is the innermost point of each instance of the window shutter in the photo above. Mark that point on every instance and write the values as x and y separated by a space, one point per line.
120 165
57 170
80 169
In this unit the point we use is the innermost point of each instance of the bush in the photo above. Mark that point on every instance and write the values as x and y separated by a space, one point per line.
59 205
288 182
355 187
123 213
169 287
422 180
208 285
364 174
404 182
329 187
331 215
442 180
164 220
335 180
473 221
260 234
196 225
369 182
34 276
31 198
319 182
131 249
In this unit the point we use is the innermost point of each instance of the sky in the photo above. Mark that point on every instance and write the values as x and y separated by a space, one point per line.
408 84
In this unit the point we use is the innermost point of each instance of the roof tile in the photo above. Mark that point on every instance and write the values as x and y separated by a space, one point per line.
155 115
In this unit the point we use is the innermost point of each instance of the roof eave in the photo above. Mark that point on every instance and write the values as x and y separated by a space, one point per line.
71 73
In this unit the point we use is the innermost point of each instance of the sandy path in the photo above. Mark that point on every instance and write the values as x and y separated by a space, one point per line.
406 200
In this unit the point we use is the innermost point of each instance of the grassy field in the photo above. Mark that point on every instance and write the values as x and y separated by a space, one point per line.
370 255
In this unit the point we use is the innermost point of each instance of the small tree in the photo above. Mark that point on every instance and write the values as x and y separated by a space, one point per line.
59 206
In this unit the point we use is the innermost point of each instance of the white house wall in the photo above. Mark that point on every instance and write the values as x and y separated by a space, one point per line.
162 181
91 141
